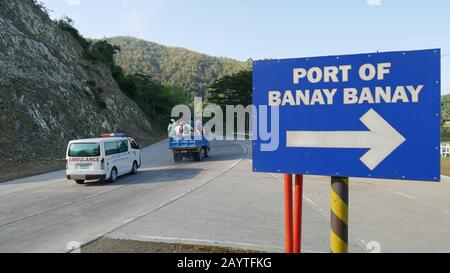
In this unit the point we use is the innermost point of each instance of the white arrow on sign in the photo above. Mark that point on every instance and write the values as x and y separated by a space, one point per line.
382 139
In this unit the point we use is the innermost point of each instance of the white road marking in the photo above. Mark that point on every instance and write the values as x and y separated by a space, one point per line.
314 204
171 201
404 194
59 207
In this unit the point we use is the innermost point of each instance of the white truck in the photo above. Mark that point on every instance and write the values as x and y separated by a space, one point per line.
103 159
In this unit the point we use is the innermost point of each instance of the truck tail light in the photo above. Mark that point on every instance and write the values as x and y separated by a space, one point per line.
67 163
102 164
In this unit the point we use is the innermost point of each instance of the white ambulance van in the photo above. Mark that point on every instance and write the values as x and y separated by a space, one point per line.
103 159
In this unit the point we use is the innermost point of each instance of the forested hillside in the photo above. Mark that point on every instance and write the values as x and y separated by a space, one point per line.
445 107
191 71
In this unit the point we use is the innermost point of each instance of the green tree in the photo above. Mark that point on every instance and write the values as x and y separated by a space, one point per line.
67 24
445 117
126 83
232 90
103 51
155 99
445 108
192 71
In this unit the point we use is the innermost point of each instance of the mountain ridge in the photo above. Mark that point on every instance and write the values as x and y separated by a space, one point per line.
177 66
174 47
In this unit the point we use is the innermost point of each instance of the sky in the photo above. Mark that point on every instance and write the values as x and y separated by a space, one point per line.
261 29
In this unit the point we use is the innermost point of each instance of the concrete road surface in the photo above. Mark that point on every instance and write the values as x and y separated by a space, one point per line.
217 202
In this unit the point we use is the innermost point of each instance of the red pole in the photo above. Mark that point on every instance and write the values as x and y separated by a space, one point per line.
298 211
288 211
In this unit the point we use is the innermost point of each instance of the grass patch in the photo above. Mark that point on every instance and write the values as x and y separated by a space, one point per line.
108 245
445 166
445 133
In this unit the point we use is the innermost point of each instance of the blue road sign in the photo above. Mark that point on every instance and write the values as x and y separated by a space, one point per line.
368 115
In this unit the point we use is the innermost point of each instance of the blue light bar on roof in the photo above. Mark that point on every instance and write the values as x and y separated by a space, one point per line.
114 135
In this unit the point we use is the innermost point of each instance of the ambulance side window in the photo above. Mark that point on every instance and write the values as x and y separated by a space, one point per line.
123 146
134 145
111 148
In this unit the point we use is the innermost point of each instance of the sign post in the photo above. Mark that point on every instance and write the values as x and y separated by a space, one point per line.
339 215
293 211
288 212
298 213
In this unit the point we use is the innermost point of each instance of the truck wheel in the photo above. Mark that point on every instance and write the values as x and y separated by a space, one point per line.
197 156
177 158
80 182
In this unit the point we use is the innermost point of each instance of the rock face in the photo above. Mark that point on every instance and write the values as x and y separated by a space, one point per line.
50 93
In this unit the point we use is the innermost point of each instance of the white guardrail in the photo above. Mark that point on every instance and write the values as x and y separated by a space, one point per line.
445 150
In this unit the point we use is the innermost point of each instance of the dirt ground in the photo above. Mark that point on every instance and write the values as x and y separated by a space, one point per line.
22 170
106 245
445 166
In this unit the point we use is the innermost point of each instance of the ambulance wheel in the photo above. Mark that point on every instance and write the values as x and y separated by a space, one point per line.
113 176
134 169
80 182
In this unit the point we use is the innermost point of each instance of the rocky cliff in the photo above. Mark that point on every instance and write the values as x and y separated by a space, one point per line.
51 93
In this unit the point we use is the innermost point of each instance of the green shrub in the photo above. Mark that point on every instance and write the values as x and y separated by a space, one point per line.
445 134
125 83
103 51
155 99
99 101
66 24
92 83
41 6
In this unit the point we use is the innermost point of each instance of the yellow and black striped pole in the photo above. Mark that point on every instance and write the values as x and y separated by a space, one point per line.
339 215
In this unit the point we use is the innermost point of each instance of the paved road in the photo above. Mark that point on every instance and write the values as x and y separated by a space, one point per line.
218 201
